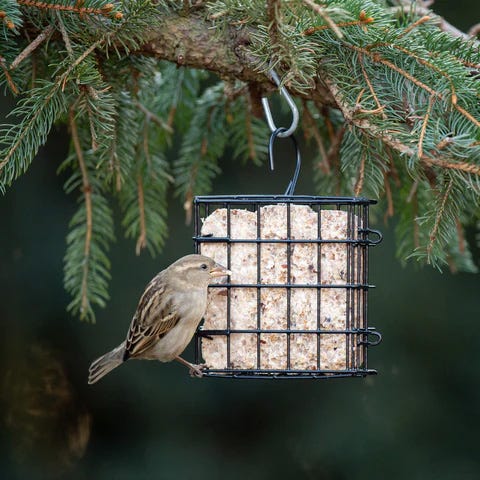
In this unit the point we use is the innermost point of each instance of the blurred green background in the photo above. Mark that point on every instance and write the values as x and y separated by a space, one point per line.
418 419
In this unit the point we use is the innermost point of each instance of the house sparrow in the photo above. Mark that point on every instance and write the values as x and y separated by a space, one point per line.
167 316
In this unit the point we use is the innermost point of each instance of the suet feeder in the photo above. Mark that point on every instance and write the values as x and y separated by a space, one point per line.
296 303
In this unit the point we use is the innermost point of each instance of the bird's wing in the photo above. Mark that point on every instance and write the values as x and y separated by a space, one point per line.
156 315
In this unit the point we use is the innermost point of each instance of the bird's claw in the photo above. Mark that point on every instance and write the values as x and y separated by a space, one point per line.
196 371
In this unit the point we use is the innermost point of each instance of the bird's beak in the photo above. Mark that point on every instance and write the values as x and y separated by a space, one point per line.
219 271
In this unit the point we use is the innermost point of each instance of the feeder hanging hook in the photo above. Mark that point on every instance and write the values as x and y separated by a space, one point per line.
266 107
293 182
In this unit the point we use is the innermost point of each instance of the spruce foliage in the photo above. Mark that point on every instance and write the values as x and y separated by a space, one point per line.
388 102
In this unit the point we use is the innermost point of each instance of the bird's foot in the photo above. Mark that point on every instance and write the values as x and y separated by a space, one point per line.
196 371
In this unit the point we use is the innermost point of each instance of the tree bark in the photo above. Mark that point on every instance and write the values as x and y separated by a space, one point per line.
192 41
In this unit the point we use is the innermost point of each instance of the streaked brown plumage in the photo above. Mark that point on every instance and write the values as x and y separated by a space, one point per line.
167 315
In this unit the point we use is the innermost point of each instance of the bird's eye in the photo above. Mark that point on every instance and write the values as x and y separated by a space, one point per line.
203 266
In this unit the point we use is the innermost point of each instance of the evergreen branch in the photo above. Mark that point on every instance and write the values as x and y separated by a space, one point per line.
370 86
41 37
424 127
143 194
321 11
438 218
8 77
390 103
87 192
6 20
361 176
155 118
142 237
467 115
192 42
396 144
422 61
311 128
86 266
106 10
453 165
23 140
415 24
377 58
10 17
63 78
91 123
273 11
41 109
65 37
388 193
250 142
440 242
408 8
247 133
143 201
462 245
335 27
202 145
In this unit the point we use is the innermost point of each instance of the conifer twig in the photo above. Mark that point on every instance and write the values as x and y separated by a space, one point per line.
438 217
106 10
64 77
415 24
424 11
146 148
467 114
388 193
361 175
142 237
312 127
41 37
13 148
321 11
370 86
66 38
416 226
87 192
413 191
394 143
273 7
248 132
461 237
10 82
424 127
443 163
155 118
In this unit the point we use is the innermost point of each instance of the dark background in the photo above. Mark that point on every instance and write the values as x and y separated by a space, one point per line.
418 419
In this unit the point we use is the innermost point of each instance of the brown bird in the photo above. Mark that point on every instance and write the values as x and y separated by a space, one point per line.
167 316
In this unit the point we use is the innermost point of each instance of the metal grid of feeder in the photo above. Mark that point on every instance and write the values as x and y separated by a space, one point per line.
295 305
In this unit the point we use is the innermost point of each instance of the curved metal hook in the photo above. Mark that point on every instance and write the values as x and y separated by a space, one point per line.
293 182
268 114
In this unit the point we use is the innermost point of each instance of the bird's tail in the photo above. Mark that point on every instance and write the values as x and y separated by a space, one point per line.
105 364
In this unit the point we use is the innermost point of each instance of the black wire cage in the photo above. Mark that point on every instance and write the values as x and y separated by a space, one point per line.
296 303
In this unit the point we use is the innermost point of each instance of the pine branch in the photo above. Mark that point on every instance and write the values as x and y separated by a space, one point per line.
21 142
202 145
247 133
86 264
87 192
42 36
143 196
106 10
10 18
389 101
